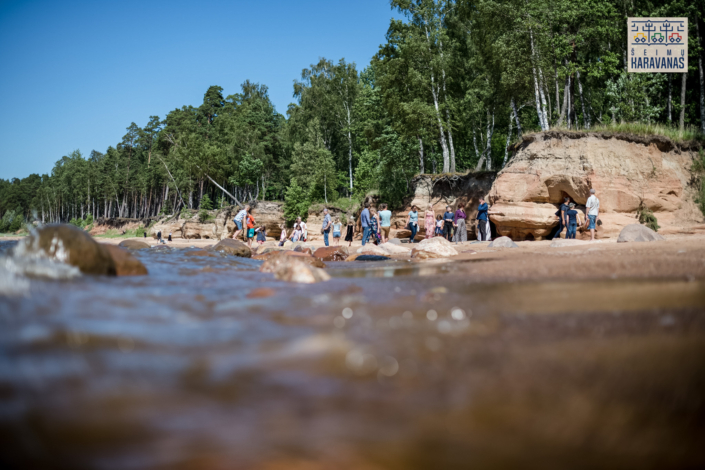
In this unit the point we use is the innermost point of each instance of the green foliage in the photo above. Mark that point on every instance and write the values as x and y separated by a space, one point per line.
139 231
6 221
16 224
698 169
206 203
647 217
89 220
297 203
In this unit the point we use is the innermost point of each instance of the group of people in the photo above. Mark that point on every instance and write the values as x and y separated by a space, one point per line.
376 226
569 217
245 221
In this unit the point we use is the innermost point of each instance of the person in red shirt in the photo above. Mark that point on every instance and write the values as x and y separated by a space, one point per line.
250 227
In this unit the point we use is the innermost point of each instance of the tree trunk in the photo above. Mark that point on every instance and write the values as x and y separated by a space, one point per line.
669 104
545 109
509 136
586 117
564 107
681 124
516 117
701 75
442 138
572 118
450 127
421 168
537 93
490 133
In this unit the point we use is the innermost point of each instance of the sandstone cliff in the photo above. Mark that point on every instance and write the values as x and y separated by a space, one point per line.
625 171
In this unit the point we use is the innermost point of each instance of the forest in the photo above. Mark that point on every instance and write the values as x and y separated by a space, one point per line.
454 84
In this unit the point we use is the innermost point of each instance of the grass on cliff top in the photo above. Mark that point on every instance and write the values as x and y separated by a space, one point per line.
689 134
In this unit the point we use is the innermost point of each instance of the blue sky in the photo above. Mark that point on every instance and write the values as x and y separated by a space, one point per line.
74 75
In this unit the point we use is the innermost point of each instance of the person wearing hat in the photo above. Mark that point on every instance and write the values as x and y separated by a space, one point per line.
572 219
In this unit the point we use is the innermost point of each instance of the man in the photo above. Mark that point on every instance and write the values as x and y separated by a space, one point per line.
385 222
365 222
482 210
593 211
325 230
448 220
572 219
239 221
561 217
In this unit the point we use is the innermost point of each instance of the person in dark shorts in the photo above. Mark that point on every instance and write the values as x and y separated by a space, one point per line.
572 220
448 218
561 217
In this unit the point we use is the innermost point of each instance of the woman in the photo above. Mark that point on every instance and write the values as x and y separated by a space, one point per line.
461 231
430 221
296 233
374 226
350 234
303 228
412 221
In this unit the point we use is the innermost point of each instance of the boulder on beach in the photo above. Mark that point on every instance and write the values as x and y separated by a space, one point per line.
638 233
133 244
233 247
69 245
331 253
293 269
503 242
437 247
303 249
394 241
393 249
125 263
372 249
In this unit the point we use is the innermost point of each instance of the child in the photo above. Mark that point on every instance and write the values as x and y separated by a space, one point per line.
351 231
282 237
336 231
439 225
261 235
296 233
250 228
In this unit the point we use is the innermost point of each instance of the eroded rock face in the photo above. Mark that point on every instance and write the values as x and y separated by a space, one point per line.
133 244
638 233
69 245
503 242
233 247
293 269
198 231
331 253
625 172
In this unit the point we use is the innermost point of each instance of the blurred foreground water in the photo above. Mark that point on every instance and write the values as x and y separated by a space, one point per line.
209 364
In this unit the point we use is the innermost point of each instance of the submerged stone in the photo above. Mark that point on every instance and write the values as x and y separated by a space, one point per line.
125 263
294 269
331 253
233 247
133 244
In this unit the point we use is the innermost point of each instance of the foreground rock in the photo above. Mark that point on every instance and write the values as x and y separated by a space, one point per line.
394 249
71 245
233 247
372 249
125 263
503 242
134 244
638 233
293 269
331 253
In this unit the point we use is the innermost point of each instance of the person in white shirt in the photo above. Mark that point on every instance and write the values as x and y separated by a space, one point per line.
303 228
593 211
240 221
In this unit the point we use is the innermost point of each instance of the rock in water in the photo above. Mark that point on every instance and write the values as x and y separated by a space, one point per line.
293 269
503 242
303 249
133 244
331 253
125 263
638 233
69 245
233 247
437 247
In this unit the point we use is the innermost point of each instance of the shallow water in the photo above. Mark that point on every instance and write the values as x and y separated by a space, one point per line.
388 365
